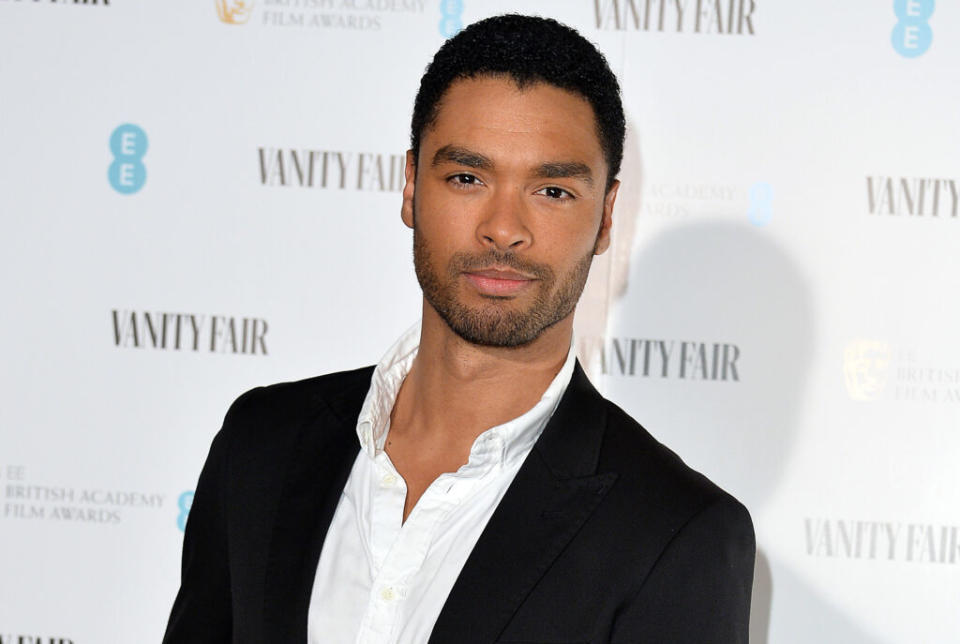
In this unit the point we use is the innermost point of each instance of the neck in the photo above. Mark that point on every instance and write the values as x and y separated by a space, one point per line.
456 390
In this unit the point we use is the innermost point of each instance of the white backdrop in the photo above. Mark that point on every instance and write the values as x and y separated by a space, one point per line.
779 306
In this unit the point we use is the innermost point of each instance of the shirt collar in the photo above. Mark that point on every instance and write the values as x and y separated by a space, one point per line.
505 442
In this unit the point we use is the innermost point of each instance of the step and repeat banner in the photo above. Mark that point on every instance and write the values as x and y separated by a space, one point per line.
203 196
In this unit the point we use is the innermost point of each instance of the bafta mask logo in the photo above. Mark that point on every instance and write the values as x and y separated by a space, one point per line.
865 366
234 12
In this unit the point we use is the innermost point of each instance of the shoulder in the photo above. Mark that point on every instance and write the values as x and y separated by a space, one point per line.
275 411
653 477
294 399
689 546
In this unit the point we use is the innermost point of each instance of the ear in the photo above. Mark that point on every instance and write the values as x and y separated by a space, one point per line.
410 174
606 221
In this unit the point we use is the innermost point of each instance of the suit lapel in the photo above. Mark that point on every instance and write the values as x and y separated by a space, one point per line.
315 477
555 491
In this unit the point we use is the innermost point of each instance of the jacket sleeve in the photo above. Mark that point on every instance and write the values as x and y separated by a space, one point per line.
202 609
698 592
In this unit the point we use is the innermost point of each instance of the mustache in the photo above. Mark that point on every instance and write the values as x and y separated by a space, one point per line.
464 261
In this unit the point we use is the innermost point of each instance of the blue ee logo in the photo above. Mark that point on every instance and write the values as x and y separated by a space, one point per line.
912 34
184 503
451 21
760 210
127 174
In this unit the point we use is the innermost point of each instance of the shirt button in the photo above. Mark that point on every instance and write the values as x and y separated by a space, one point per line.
387 594
389 479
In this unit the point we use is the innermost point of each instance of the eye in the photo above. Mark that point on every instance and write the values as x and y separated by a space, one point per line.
462 180
553 192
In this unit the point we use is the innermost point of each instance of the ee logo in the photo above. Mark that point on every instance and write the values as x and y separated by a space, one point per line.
912 34
452 13
184 503
127 174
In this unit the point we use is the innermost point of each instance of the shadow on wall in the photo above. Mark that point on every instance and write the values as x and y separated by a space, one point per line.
716 281
723 281
726 283
710 281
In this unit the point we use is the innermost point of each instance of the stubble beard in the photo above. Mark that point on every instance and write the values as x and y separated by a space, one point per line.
498 323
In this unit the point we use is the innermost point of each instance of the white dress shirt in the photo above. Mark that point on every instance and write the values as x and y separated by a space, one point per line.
382 580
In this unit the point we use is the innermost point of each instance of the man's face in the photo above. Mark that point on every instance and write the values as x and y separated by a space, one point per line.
508 206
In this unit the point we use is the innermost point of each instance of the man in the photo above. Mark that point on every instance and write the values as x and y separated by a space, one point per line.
473 487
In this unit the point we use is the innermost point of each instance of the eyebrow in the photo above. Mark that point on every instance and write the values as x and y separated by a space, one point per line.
462 156
562 170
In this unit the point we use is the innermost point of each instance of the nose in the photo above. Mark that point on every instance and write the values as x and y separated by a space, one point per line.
502 224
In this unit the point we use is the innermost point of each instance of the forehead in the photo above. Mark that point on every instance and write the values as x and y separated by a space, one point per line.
492 115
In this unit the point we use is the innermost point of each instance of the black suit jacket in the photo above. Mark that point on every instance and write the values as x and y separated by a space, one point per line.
603 536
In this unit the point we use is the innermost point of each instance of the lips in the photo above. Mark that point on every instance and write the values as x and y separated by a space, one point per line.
499 282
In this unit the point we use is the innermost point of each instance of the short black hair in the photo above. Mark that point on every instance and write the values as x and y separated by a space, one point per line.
529 50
